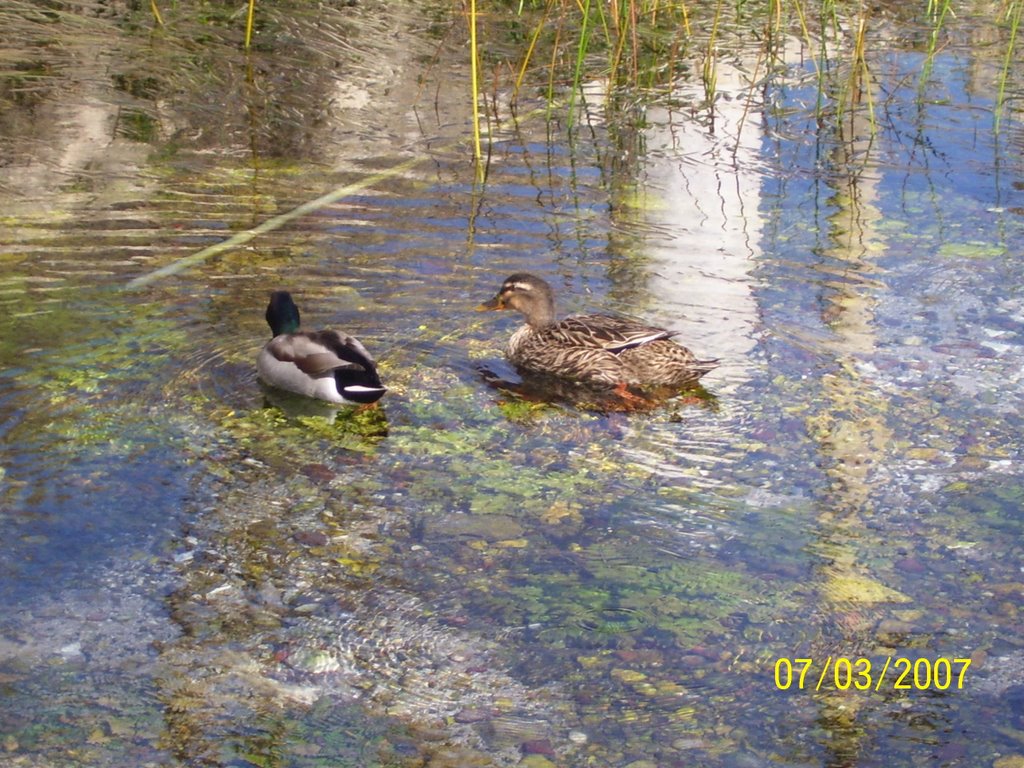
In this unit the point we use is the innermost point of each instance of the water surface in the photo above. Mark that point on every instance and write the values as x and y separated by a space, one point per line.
198 571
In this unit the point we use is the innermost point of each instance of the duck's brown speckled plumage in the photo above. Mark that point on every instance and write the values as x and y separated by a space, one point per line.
596 348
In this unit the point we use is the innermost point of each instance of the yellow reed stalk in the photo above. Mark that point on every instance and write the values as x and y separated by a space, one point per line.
530 49
474 77
248 23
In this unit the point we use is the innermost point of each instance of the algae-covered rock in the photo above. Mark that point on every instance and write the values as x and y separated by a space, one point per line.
854 588
536 761
493 527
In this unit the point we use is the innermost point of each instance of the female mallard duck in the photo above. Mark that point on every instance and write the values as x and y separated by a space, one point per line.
327 365
594 348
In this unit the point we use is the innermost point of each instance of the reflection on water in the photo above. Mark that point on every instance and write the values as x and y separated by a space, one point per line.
698 201
197 571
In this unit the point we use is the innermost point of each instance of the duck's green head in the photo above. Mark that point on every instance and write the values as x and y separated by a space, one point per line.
282 314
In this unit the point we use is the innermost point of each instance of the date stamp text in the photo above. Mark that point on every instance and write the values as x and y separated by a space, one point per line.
861 674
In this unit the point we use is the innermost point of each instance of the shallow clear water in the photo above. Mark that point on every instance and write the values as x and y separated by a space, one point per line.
200 571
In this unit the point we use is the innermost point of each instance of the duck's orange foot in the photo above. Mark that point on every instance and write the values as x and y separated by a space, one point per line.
631 400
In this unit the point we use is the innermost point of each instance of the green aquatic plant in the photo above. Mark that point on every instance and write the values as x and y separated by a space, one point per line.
276 429
638 51
522 411
1012 16
936 13
708 70
249 18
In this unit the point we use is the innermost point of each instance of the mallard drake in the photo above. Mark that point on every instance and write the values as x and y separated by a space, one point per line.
601 349
327 365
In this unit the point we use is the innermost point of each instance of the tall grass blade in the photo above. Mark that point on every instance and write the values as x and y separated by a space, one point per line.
241 238
937 11
861 75
530 49
248 23
1014 14
709 70
581 53
474 76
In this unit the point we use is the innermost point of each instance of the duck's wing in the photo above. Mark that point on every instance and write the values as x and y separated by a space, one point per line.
321 352
607 332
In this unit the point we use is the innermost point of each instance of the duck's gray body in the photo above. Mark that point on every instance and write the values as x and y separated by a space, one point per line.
326 365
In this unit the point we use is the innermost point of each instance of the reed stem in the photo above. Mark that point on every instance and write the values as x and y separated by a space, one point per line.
248 23
1014 15
478 157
